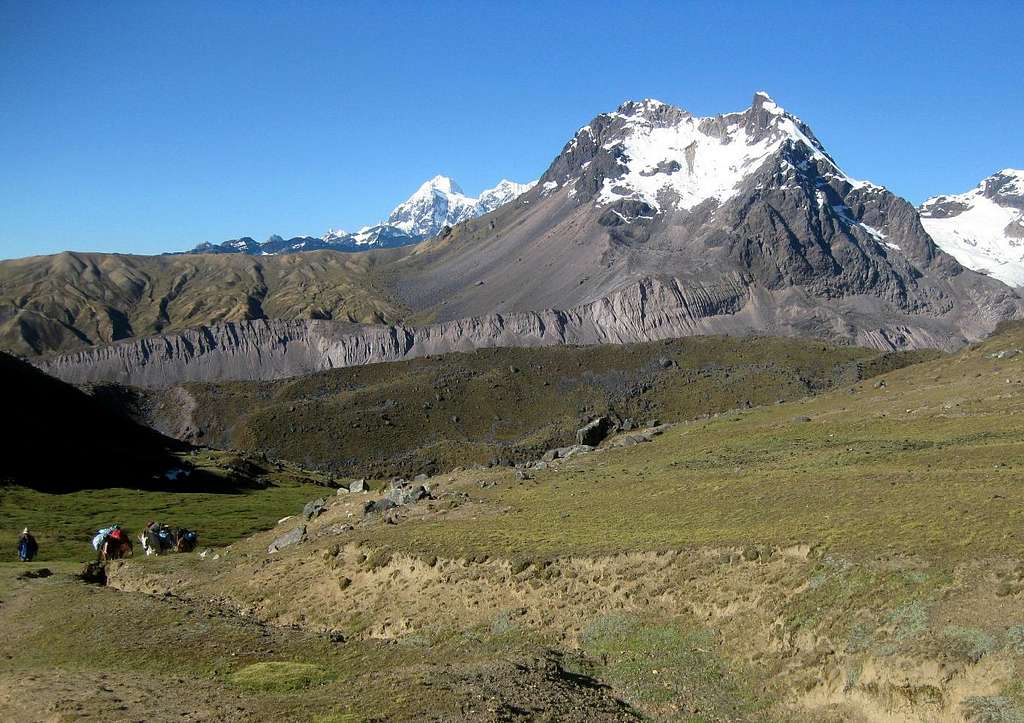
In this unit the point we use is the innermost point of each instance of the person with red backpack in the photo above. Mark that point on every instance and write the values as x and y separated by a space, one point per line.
112 543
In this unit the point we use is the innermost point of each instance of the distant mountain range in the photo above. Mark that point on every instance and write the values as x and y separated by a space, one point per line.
436 204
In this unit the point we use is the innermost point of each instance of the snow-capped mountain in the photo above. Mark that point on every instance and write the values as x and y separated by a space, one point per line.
734 223
437 203
501 194
440 202
670 160
984 227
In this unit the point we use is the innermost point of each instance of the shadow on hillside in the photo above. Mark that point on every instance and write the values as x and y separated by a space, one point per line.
200 482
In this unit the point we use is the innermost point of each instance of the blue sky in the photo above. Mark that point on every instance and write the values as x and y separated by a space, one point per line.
142 127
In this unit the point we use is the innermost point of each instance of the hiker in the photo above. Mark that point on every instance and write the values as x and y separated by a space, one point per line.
27 546
150 539
156 538
112 543
186 540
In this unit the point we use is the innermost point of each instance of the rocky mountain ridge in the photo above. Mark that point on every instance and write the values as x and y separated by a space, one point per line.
275 349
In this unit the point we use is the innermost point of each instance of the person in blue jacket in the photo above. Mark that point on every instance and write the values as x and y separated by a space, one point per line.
27 546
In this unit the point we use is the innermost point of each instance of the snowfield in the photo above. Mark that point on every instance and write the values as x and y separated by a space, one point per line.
982 236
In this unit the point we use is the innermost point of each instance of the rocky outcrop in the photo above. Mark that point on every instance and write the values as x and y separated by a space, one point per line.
648 310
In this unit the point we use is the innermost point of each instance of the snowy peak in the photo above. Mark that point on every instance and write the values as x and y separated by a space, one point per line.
1006 188
440 184
441 202
667 159
982 228
437 203
501 194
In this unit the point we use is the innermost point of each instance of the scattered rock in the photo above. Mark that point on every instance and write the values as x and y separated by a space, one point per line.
420 478
666 363
377 506
593 433
314 509
94 573
358 486
523 474
880 384
36 574
402 493
566 452
1005 354
632 439
289 538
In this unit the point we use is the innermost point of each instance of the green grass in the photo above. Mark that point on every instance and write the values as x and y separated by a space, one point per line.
897 490
928 465
279 677
665 665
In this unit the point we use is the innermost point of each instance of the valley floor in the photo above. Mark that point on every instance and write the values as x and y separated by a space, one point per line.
851 556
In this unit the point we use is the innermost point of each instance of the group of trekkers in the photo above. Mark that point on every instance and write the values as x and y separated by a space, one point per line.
157 539
112 543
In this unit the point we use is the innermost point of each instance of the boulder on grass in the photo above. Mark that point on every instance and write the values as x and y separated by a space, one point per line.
378 506
289 538
314 509
593 433
358 486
